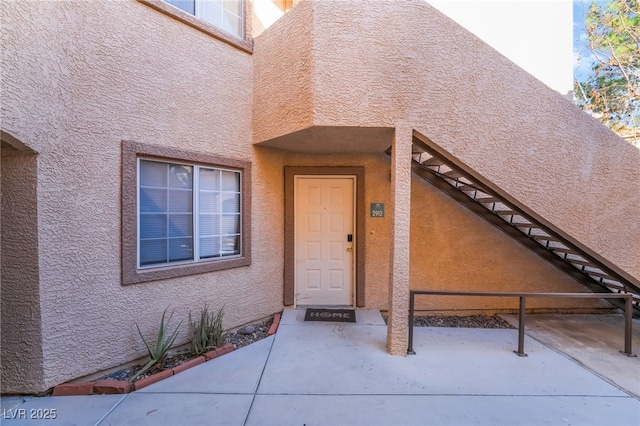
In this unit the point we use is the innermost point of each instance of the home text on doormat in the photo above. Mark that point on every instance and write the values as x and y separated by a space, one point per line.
336 315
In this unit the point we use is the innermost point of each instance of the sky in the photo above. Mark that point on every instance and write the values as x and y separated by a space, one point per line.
535 34
582 56
558 52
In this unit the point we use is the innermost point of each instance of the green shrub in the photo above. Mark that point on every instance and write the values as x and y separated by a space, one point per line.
163 343
206 333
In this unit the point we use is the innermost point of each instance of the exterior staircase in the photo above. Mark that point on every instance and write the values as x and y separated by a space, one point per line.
466 186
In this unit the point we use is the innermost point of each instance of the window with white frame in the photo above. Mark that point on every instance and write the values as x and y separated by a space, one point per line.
224 14
187 213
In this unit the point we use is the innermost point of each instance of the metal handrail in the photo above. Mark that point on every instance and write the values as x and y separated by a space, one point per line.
523 296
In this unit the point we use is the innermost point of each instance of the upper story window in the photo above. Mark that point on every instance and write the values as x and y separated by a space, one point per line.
224 14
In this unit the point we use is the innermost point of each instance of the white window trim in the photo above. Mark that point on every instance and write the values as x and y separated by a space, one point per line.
195 215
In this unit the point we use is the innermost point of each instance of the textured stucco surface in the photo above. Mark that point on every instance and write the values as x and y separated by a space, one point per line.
455 249
282 64
400 219
21 338
407 62
78 78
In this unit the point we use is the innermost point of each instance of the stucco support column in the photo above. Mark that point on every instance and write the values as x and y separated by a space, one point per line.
399 262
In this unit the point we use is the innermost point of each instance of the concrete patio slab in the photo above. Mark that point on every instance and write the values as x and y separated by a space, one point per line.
140 409
594 341
9 402
439 410
352 360
236 372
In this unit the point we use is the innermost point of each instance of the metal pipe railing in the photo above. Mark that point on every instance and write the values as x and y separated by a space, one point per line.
521 320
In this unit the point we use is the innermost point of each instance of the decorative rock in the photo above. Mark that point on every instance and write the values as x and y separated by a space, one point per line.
470 321
247 329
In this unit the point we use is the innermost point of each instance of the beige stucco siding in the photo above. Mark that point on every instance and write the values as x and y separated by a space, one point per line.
21 337
82 77
451 248
490 113
454 249
405 62
283 59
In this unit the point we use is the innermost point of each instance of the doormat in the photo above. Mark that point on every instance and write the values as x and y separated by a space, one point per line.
335 315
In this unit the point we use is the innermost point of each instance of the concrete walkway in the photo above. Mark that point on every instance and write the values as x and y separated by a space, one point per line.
593 341
333 373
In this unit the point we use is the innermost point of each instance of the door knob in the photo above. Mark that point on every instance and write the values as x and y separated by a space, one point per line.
350 248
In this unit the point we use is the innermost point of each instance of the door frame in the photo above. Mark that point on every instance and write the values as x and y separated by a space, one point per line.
289 231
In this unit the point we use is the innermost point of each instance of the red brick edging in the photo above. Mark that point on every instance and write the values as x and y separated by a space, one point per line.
274 325
143 383
111 386
219 352
74 389
187 365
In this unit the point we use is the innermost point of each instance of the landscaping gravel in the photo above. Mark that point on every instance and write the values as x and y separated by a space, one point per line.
249 334
472 321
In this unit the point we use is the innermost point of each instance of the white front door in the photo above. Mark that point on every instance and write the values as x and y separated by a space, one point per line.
324 240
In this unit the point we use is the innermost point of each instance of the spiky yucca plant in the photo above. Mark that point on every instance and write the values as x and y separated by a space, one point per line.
207 332
163 343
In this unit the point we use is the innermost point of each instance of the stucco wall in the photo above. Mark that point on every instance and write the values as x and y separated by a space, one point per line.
450 247
282 60
21 322
455 249
406 62
78 78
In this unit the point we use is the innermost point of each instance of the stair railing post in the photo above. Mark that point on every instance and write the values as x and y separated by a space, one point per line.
412 297
520 351
628 324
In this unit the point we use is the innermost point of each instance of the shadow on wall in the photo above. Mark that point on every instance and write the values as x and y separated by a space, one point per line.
22 361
